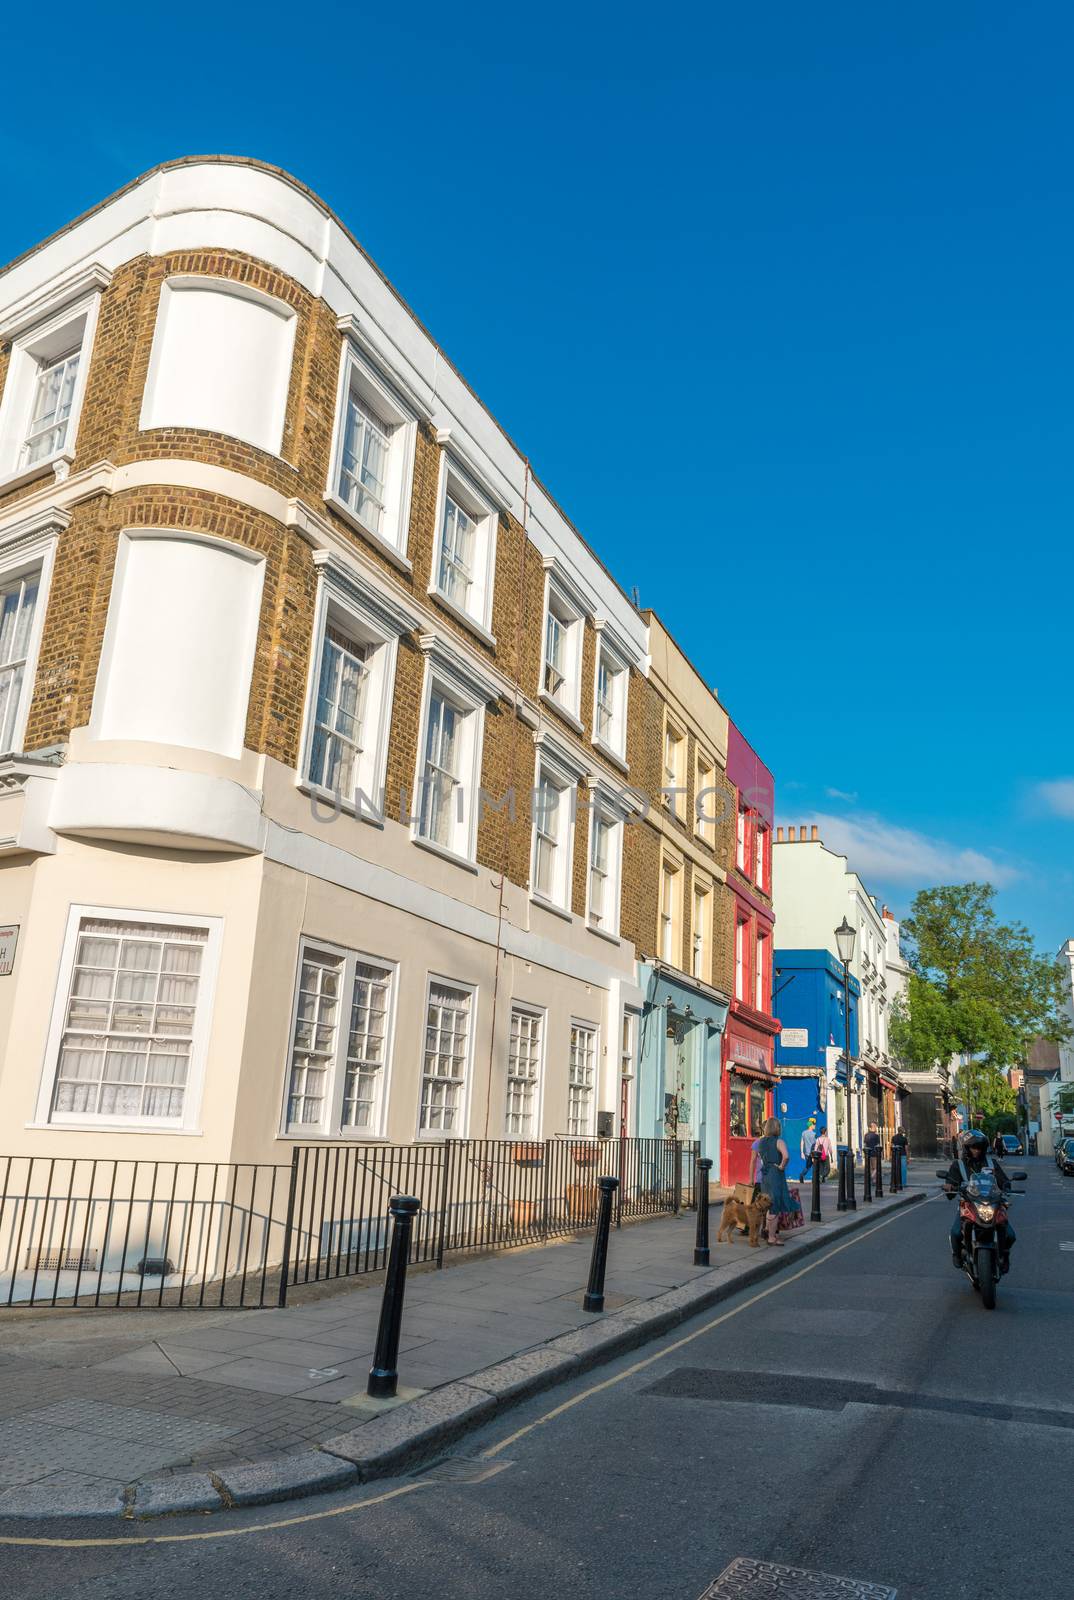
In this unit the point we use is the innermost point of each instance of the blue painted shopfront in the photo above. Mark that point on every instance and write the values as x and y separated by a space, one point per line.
808 988
679 1046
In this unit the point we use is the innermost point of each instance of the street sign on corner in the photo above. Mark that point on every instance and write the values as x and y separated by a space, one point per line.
9 938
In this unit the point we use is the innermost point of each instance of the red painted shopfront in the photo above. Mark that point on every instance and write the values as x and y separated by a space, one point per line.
748 1087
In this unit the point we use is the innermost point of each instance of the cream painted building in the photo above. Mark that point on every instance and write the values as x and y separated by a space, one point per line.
318 783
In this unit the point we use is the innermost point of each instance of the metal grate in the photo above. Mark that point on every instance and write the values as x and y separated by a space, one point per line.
746 1579
61 1260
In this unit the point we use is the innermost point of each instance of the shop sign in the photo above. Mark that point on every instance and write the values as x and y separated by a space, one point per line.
750 1054
9 938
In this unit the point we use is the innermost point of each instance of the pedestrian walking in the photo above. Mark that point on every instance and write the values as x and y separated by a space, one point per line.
809 1139
822 1152
774 1155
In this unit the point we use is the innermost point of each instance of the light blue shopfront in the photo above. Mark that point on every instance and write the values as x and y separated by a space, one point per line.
679 1045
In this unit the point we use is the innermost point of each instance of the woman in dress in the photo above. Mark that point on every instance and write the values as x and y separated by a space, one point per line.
773 1156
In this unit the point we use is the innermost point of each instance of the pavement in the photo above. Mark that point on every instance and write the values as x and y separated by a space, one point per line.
142 1413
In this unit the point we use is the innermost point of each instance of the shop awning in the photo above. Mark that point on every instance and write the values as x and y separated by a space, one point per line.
801 1072
757 1073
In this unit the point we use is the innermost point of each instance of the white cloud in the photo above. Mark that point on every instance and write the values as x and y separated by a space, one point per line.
1057 796
882 851
849 795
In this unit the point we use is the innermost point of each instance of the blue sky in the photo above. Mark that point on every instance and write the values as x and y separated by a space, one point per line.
778 301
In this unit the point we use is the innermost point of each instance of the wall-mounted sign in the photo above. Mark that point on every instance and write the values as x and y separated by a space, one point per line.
795 1038
746 1051
9 938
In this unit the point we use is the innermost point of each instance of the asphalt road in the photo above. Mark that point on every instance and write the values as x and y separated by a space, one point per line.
861 1416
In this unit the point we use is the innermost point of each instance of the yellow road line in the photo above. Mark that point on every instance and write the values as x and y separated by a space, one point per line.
409 1488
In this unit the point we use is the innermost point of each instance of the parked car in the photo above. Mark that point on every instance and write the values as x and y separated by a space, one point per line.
1012 1145
1066 1157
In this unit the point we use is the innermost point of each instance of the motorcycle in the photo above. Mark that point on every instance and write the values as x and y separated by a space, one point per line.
982 1207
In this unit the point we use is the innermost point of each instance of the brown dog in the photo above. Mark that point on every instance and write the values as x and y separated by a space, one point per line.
751 1217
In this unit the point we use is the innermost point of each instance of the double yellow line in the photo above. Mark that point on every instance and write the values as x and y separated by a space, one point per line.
245 1529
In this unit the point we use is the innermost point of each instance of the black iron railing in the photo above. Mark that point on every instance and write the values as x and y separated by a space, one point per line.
103 1232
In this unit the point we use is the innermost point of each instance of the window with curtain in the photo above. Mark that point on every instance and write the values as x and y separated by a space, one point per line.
447 1048
128 1031
363 463
339 1044
457 553
54 394
523 1072
441 773
18 603
338 725
581 1080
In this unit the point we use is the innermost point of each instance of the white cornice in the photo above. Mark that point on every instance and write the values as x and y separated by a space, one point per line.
460 670
383 610
16 318
452 441
369 349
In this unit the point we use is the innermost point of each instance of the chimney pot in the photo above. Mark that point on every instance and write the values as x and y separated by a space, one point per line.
813 831
779 835
790 835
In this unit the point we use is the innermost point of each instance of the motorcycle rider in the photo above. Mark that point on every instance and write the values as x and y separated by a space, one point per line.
975 1157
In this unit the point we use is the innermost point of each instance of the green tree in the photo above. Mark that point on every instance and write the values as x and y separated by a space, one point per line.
977 988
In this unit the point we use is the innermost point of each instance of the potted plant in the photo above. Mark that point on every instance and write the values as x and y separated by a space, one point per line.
586 1155
528 1155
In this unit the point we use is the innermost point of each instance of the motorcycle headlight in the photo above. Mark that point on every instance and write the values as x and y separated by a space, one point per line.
986 1213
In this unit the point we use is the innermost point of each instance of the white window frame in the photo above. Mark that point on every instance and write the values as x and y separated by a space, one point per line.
704 778
561 834
570 615
760 833
740 840
674 771
540 1015
581 1025
28 547
55 323
742 927
447 674
387 407
437 1135
601 811
347 602
701 892
615 664
629 1033
190 1121
670 925
337 1071
459 486
762 952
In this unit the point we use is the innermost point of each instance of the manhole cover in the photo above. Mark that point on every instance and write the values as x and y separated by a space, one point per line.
745 1579
462 1469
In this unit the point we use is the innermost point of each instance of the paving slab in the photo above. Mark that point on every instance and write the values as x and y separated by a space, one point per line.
259 1401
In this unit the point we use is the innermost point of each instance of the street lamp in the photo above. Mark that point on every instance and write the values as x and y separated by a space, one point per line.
845 937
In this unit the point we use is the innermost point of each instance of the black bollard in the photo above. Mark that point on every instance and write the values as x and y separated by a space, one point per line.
896 1176
841 1202
383 1376
852 1204
867 1179
814 1213
701 1240
879 1191
594 1295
